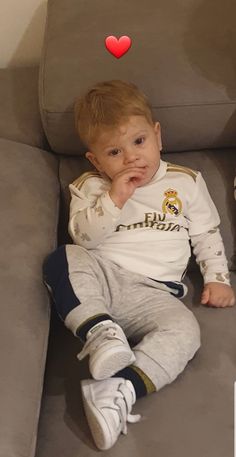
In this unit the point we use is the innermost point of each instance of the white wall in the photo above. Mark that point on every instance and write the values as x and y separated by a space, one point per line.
22 24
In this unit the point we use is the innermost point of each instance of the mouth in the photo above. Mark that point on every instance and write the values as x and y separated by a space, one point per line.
144 174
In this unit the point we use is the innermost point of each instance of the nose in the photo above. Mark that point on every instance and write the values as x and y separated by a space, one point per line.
130 155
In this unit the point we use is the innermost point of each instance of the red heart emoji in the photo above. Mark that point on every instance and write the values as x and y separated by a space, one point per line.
118 47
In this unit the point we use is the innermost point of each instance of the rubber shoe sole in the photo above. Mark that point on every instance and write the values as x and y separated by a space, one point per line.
109 361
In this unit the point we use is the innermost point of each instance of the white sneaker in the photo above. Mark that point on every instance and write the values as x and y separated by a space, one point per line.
107 405
108 349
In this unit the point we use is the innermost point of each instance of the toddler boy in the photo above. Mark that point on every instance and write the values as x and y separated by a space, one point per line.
131 221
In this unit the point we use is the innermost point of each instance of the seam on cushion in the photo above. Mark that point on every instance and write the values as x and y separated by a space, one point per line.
160 106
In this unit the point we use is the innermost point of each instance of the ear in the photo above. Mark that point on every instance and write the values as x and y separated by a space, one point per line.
157 128
93 159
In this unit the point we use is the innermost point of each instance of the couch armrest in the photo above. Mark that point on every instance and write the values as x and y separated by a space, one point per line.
29 200
19 108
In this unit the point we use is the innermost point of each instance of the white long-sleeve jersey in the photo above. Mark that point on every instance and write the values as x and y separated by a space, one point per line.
152 233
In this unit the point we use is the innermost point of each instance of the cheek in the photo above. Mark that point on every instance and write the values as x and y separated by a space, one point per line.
110 169
154 155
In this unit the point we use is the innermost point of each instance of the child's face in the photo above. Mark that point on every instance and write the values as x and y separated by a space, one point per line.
134 144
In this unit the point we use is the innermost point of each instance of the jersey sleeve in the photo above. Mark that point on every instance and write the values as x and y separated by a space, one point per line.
210 256
93 215
205 235
202 214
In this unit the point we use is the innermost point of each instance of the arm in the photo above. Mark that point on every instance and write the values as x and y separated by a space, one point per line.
93 215
208 247
210 255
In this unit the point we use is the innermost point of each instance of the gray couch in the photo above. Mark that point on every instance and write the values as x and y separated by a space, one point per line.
183 57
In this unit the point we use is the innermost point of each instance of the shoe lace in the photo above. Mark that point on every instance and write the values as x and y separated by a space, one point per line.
96 338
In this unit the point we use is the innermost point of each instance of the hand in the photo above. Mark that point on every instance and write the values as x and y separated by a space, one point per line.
124 184
218 295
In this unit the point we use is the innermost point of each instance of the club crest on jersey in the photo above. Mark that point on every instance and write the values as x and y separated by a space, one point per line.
171 204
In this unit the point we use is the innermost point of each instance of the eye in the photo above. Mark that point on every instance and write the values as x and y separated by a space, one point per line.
115 151
139 140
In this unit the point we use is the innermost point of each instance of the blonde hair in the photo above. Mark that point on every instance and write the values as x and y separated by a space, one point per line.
106 106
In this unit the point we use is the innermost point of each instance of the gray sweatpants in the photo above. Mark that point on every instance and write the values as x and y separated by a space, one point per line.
165 333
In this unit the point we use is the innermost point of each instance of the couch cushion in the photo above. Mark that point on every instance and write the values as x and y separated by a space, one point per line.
182 57
29 197
19 109
193 416
217 168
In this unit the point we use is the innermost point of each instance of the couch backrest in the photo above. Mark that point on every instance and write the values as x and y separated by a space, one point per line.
182 57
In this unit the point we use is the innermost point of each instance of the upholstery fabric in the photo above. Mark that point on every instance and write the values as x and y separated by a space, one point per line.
181 57
29 192
19 108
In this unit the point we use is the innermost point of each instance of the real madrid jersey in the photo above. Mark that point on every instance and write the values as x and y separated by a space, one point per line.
151 234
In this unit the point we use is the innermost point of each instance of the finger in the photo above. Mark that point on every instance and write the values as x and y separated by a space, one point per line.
231 302
130 172
224 302
205 296
219 303
130 169
136 176
216 301
137 173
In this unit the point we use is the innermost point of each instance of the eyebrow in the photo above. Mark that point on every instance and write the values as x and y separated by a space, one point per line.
134 135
